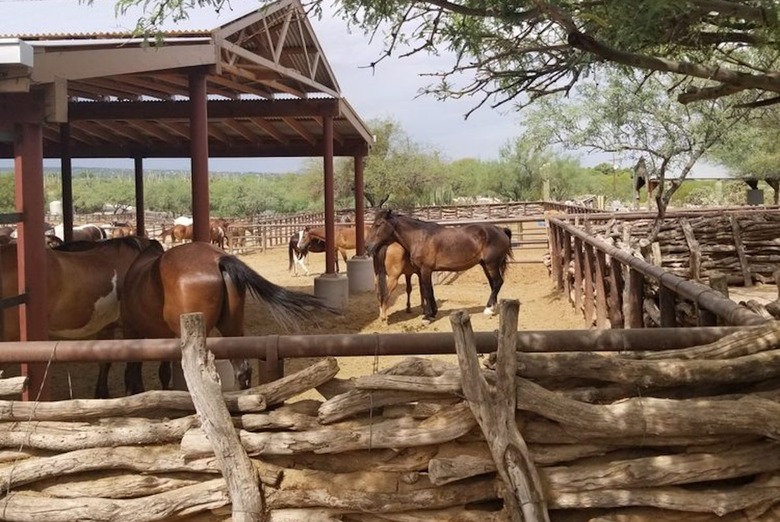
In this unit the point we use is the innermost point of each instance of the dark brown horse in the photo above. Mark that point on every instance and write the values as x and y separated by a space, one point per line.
434 247
199 277
297 254
390 263
345 239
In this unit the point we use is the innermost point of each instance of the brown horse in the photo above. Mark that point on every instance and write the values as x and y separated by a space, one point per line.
433 247
122 229
390 262
84 281
199 277
177 233
297 255
345 239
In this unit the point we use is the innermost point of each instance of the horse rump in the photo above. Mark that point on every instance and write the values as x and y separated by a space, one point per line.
287 307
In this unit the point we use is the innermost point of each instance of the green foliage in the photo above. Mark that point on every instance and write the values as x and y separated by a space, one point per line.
7 192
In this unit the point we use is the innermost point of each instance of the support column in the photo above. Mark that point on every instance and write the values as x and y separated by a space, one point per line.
331 287
66 176
330 205
360 269
140 221
360 210
28 178
199 152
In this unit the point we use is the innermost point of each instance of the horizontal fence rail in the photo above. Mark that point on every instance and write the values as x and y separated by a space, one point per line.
358 345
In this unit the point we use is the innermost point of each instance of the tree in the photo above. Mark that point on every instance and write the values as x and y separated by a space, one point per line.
629 112
524 50
751 151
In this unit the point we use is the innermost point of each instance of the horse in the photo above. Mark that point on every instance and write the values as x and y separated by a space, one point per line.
6 235
87 232
122 229
390 262
177 233
434 247
236 235
298 255
345 239
199 277
84 281
218 232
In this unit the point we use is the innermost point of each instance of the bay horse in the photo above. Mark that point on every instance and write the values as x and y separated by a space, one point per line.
199 277
297 255
390 263
177 233
433 247
345 239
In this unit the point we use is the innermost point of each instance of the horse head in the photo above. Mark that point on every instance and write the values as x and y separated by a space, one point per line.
382 231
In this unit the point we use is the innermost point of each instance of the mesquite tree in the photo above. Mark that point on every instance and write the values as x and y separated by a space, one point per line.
628 112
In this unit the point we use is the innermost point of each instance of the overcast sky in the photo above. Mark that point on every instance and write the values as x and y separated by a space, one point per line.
389 91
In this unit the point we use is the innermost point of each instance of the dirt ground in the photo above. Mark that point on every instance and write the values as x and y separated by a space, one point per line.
542 308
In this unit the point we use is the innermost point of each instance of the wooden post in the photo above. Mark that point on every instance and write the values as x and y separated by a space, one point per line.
588 274
693 249
566 262
616 294
495 408
601 290
740 247
577 274
203 382
635 302
666 303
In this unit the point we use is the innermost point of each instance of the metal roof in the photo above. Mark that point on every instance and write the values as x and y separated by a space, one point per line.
269 84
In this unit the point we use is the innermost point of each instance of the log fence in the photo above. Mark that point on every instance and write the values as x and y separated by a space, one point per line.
625 433
617 287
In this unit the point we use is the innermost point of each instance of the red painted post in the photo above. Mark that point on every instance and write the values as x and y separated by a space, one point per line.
360 211
330 206
199 152
66 176
140 218
33 315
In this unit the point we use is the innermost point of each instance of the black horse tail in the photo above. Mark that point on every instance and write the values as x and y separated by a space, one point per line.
509 253
381 273
287 307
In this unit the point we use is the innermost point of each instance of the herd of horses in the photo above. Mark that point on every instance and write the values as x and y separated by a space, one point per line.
132 281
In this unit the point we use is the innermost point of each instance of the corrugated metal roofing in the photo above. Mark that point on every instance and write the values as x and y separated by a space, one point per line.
34 19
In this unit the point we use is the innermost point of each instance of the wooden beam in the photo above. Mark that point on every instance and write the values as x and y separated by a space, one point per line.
267 127
168 110
302 131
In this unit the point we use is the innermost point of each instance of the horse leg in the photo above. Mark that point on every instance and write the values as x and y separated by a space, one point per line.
426 286
101 388
408 293
164 374
496 282
231 324
134 381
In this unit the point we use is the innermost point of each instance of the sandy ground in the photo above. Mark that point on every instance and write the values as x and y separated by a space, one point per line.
542 308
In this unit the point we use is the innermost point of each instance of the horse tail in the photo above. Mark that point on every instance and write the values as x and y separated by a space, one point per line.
287 307
509 254
290 253
381 273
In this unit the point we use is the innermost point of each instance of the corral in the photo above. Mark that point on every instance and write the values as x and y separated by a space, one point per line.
399 443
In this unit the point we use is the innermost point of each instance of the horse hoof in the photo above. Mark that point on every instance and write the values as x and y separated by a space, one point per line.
488 311
426 321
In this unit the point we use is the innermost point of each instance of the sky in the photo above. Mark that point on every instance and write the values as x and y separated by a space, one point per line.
389 91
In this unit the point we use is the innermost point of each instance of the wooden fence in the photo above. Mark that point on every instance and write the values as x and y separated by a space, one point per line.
618 287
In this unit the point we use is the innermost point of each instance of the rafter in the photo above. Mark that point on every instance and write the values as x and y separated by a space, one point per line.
302 131
267 127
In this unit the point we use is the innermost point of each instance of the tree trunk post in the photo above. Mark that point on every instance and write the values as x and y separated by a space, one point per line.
203 382
495 410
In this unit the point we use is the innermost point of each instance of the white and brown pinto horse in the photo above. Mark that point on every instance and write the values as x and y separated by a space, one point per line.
297 255
84 287
433 247
346 239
